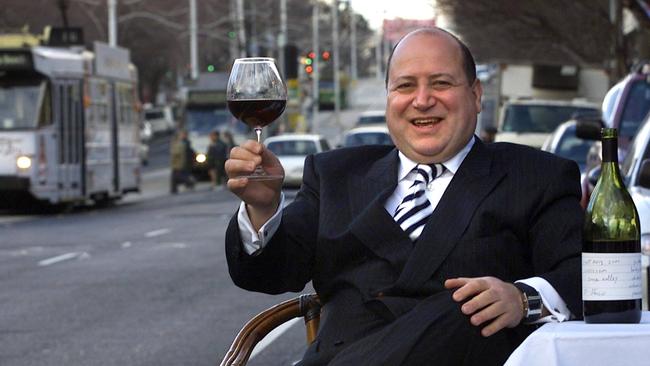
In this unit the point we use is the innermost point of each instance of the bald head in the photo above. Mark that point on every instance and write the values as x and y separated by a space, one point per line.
469 66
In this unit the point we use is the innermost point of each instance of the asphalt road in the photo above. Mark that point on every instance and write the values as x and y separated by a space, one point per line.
142 283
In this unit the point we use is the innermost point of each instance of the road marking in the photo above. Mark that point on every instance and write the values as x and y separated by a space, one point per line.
158 232
59 258
272 336
126 244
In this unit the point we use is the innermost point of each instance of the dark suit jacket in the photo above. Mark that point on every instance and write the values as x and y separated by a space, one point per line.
510 211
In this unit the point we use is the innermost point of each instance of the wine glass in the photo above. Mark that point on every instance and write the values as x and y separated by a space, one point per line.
256 96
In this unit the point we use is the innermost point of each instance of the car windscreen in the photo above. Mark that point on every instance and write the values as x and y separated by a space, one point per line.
368 138
636 108
292 148
574 148
204 120
368 120
149 115
540 118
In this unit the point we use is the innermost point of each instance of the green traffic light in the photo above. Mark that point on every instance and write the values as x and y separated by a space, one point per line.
210 68
308 61
231 35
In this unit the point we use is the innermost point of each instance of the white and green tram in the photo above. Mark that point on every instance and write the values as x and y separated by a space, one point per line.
69 124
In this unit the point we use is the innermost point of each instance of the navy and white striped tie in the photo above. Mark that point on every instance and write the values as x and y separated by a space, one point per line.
415 209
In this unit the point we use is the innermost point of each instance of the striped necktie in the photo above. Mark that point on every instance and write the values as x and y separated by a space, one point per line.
415 209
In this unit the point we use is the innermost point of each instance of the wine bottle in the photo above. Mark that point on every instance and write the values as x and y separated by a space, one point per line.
611 252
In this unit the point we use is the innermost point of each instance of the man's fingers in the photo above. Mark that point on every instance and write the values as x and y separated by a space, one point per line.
479 302
499 323
470 288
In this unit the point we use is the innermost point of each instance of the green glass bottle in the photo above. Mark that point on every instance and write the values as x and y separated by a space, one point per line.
611 252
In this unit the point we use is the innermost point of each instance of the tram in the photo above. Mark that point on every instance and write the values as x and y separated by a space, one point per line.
69 123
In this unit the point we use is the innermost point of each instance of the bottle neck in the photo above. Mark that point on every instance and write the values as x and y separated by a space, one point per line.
610 150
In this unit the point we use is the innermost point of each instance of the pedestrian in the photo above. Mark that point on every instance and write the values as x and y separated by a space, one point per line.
434 251
228 140
182 158
216 159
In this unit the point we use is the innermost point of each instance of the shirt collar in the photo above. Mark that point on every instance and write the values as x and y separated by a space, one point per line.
452 165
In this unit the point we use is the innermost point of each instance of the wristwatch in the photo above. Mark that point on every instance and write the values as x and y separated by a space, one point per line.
531 301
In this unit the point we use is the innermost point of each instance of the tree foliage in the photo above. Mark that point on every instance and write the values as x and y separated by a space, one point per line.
575 32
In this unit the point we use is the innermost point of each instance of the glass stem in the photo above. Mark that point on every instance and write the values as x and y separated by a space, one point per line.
258 131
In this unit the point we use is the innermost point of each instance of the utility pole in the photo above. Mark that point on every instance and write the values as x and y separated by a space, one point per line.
353 43
232 37
112 23
282 38
241 30
378 47
314 75
335 63
194 49
63 7
618 57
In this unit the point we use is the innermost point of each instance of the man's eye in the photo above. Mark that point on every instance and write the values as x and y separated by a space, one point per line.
441 84
404 86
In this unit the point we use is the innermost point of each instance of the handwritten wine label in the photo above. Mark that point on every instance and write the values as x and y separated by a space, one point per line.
611 276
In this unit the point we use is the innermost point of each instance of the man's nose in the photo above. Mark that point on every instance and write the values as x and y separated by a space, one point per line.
424 98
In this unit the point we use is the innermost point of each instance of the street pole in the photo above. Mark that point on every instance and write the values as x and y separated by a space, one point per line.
234 47
241 30
194 49
353 43
314 75
112 23
616 18
378 47
335 63
282 38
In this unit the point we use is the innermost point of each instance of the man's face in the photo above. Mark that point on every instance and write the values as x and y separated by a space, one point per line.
431 108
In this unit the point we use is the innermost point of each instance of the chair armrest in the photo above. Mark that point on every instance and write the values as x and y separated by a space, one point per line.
307 306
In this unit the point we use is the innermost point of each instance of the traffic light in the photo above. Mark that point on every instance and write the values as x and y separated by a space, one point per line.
309 62
210 68
325 55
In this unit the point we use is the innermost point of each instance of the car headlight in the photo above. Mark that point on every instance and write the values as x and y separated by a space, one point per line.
23 162
201 158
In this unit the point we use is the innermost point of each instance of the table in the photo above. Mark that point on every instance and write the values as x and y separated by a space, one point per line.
575 343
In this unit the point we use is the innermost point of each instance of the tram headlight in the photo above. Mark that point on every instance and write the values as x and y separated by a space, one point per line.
23 162
201 158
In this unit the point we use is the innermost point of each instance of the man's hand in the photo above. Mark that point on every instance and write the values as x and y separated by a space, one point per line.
488 299
262 197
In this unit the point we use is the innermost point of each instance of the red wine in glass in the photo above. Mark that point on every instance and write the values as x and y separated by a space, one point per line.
257 113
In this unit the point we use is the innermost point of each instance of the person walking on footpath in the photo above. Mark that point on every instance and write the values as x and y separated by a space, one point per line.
217 152
182 157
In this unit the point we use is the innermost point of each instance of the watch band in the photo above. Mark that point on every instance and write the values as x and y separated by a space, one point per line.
532 302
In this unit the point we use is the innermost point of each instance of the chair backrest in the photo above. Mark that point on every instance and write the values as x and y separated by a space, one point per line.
306 306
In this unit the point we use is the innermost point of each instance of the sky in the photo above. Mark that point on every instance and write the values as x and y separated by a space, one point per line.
376 10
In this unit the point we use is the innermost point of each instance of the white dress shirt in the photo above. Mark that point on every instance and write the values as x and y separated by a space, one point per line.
254 241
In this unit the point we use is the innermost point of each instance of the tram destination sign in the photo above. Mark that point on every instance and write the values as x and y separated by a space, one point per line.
16 60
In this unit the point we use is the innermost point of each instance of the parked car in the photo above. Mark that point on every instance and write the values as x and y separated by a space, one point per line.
160 118
291 150
373 117
624 107
531 121
368 135
564 142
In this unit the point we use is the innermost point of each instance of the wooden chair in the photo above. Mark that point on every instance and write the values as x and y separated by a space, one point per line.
306 306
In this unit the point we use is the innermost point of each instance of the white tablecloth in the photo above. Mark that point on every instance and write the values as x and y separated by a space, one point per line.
575 343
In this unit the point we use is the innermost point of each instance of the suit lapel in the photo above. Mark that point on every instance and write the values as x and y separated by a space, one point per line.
475 178
371 223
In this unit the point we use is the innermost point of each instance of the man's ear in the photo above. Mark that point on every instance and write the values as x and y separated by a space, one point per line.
477 90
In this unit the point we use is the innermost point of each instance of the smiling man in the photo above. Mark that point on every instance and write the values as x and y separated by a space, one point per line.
439 251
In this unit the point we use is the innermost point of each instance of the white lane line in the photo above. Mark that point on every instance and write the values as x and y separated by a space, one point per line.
59 258
272 336
158 232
